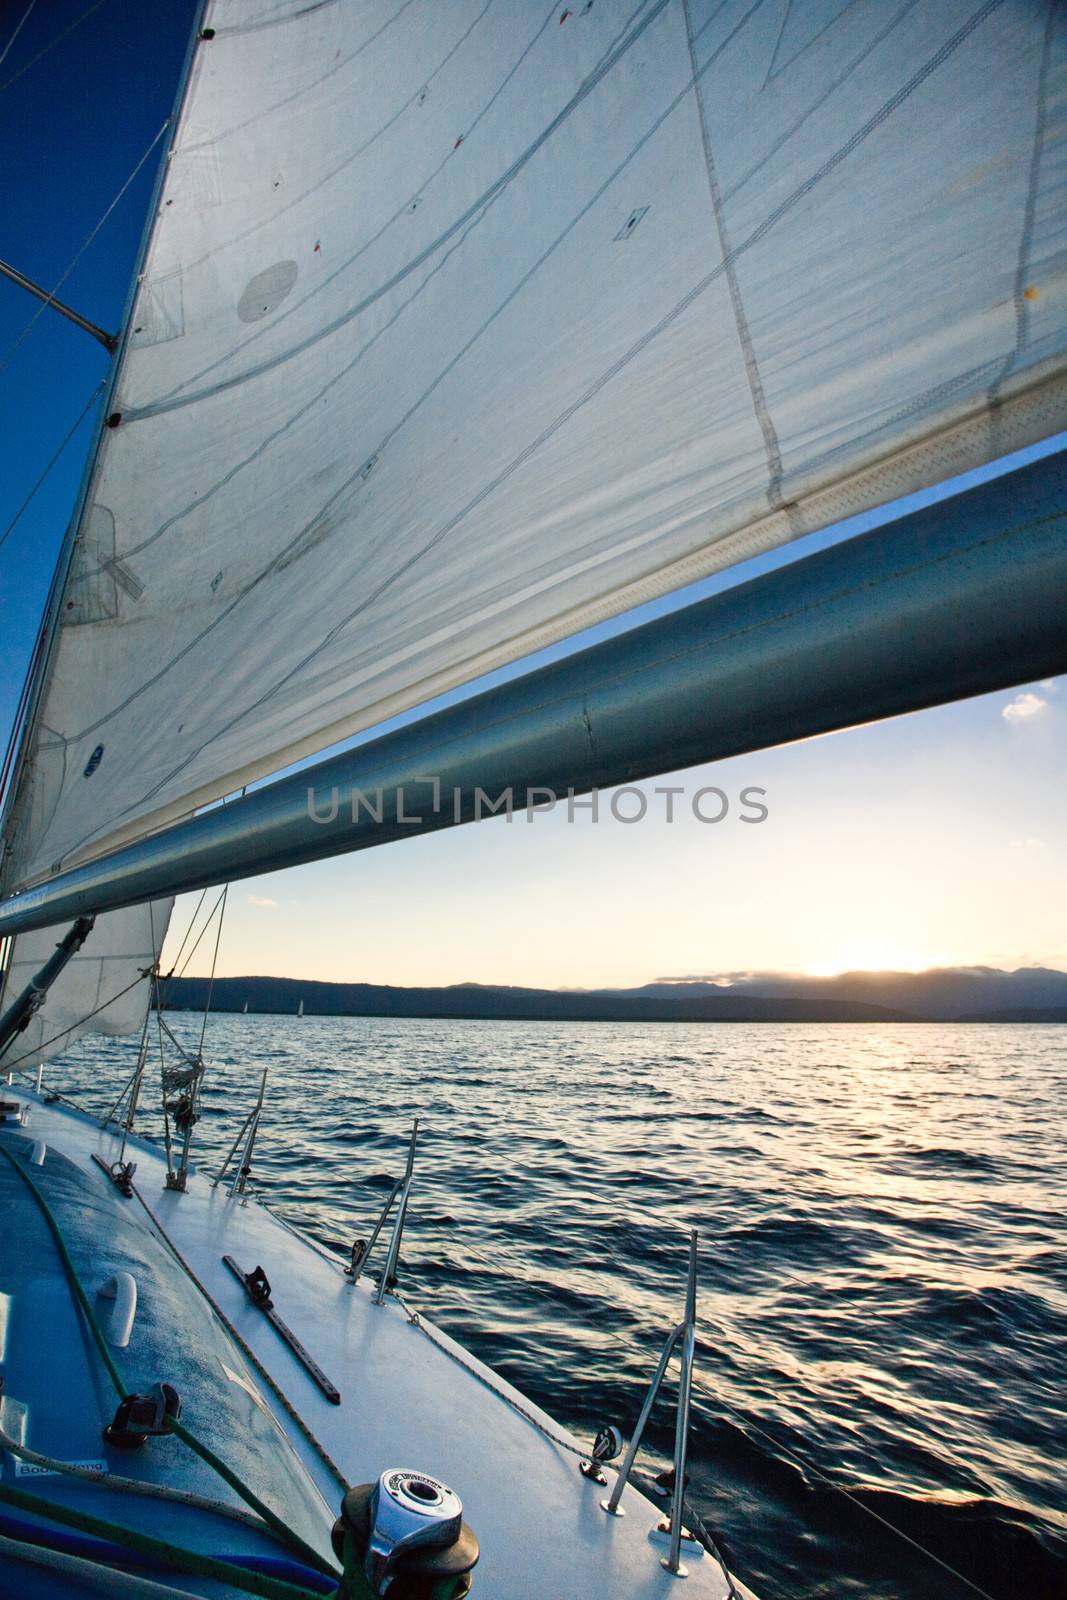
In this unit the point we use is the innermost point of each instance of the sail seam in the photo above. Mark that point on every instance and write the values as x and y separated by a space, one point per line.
801 191
771 443
636 349
175 400
1021 304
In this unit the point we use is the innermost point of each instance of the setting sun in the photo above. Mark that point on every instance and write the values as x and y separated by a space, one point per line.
873 956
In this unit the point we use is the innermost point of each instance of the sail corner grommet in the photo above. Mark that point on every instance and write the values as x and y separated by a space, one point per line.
207 34
114 419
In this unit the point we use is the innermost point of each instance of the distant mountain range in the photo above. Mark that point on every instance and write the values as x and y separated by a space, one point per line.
944 994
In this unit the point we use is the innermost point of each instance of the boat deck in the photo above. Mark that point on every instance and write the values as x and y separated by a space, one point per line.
409 1395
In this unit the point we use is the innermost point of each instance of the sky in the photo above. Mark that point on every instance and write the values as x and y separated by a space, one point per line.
931 839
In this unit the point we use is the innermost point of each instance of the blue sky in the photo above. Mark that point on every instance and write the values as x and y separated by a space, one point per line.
931 838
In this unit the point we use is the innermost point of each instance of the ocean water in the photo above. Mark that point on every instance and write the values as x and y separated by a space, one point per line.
883 1274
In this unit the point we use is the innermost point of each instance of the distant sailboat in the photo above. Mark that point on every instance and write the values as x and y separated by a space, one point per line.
300 1009
245 1009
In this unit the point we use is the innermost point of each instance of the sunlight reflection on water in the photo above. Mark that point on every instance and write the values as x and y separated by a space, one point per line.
883 1277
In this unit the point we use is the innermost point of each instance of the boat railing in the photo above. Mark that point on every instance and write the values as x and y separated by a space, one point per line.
246 1137
682 1339
362 1248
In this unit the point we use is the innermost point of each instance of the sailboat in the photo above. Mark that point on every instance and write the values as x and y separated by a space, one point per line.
300 1009
456 329
244 1009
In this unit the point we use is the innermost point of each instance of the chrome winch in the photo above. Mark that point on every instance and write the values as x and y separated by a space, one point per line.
404 1537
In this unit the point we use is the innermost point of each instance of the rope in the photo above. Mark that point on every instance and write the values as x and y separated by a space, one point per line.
163 1552
249 1353
43 307
110 1480
214 964
807 1466
18 29
189 929
203 1451
703 1533
73 430
51 44
200 935
85 1569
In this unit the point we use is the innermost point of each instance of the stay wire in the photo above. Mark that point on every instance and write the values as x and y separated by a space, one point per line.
712 1396
831 1483
51 45
189 929
83 413
44 305
18 29
214 964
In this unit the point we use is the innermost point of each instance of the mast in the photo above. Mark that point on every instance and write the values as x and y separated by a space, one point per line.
958 599
116 344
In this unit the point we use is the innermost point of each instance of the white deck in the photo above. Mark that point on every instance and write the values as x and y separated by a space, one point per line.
405 1401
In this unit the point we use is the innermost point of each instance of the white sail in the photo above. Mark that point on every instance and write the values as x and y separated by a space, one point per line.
465 323
102 989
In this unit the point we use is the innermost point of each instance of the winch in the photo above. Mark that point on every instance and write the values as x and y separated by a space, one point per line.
404 1537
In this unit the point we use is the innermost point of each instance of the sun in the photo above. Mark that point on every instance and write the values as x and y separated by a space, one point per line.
872 955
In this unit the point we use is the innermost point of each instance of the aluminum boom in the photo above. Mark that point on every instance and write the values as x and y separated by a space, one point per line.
958 599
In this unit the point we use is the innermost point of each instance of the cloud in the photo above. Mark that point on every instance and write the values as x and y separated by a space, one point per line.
261 900
1023 706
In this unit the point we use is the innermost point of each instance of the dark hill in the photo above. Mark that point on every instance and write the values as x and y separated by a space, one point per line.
282 996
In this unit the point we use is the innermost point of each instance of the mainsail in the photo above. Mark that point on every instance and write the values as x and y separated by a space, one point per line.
464 325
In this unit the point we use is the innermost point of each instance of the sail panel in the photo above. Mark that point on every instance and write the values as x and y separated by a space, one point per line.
100 990
463 326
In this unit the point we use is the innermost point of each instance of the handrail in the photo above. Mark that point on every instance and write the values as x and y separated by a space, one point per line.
389 1270
685 1335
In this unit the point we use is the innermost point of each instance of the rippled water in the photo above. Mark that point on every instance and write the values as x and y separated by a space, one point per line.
883 1282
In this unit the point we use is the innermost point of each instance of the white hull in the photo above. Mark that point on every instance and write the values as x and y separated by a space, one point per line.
410 1396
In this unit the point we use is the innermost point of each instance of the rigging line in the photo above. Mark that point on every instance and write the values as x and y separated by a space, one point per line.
165 1553
18 29
140 978
189 929
159 1000
214 963
199 936
208 1456
165 985
43 307
714 1397
51 44
83 413
808 1466
249 1353
105 1479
